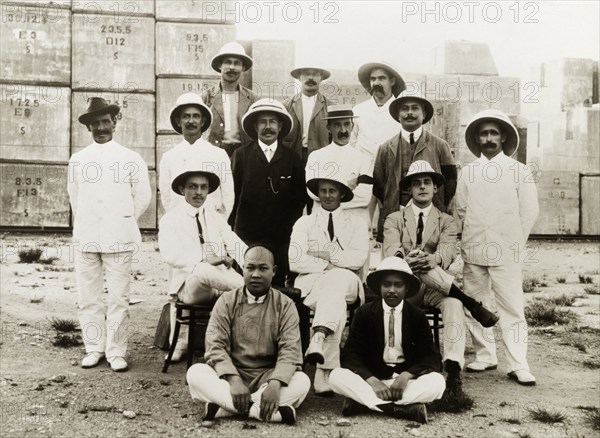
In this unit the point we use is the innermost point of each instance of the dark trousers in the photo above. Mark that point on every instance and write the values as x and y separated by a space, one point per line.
230 147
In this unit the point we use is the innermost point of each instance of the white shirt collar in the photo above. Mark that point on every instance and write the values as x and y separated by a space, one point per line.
499 157
417 134
264 147
104 145
325 213
416 210
312 98
386 308
192 211
252 299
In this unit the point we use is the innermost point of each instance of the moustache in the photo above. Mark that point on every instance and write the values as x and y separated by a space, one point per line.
410 118
191 125
268 131
489 144
102 132
310 82
377 88
343 135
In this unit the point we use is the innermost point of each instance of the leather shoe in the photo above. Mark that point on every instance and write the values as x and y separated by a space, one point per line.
523 377
415 412
314 353
288 414
478 367
484 316
351 407
118 364
92 359
321 383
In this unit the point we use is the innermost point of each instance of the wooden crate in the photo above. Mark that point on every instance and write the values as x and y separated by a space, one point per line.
34 195
34 121
147 220
198 11
445 123
36 44
348 94
273 62
187 49
169 89
12 5
464 57
117 9
590 206
135 124
558 195
124 44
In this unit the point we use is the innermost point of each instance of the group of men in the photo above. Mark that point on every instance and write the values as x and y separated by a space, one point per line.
268 203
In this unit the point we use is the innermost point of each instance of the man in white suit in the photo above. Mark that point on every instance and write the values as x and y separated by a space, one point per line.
199 246
497 205
191 117
109 189
327 248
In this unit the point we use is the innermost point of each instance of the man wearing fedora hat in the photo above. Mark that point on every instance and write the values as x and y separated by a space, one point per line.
308 110
327 248
109 189
231 100
389 362
412 143
269 183
191 117
198 245
496 205
383 82
426 238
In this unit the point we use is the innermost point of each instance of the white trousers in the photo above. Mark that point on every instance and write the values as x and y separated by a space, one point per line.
328 298
206 386
423 389
203 286
104 331
505 284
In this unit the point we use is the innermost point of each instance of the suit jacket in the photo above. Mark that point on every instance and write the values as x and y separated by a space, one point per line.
269 196
387 172
318 134
349 249
180 245
439 235
363 352
213 98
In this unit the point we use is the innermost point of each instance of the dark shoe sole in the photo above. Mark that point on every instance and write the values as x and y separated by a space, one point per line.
325 394
488 368
314 358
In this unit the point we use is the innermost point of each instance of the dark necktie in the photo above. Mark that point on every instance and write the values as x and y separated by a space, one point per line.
330 227
420 229
199 229
391 328
412 138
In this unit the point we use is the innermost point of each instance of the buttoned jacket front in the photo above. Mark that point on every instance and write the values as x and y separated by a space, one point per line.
318 134
214 100
109 190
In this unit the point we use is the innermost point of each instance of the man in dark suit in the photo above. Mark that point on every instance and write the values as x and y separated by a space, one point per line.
269 183
390 363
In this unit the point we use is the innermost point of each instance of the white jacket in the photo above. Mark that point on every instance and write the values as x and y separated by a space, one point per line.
496 206
349 248
209 158
109 189
180 246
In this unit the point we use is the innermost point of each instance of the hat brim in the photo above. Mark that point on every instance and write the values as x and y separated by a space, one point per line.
313 186
364 73
395 107
218 60
179 181
509 147
438 179
206 117
248 124
374 281
295 73
112 109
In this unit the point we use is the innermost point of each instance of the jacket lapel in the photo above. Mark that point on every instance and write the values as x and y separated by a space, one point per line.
244 103
377 321
318 106
297 107
421 144
396 159
433 222
409 223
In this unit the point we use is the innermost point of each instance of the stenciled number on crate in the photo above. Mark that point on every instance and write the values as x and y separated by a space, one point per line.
27 17
28 35
195 44
27 190
197 86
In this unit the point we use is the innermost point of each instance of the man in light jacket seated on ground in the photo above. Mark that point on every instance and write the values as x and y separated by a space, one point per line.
327 248
199 246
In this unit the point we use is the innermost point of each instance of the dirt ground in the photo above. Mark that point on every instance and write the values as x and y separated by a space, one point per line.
45 393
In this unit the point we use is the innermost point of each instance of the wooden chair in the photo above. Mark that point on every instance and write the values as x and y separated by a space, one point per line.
197 316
